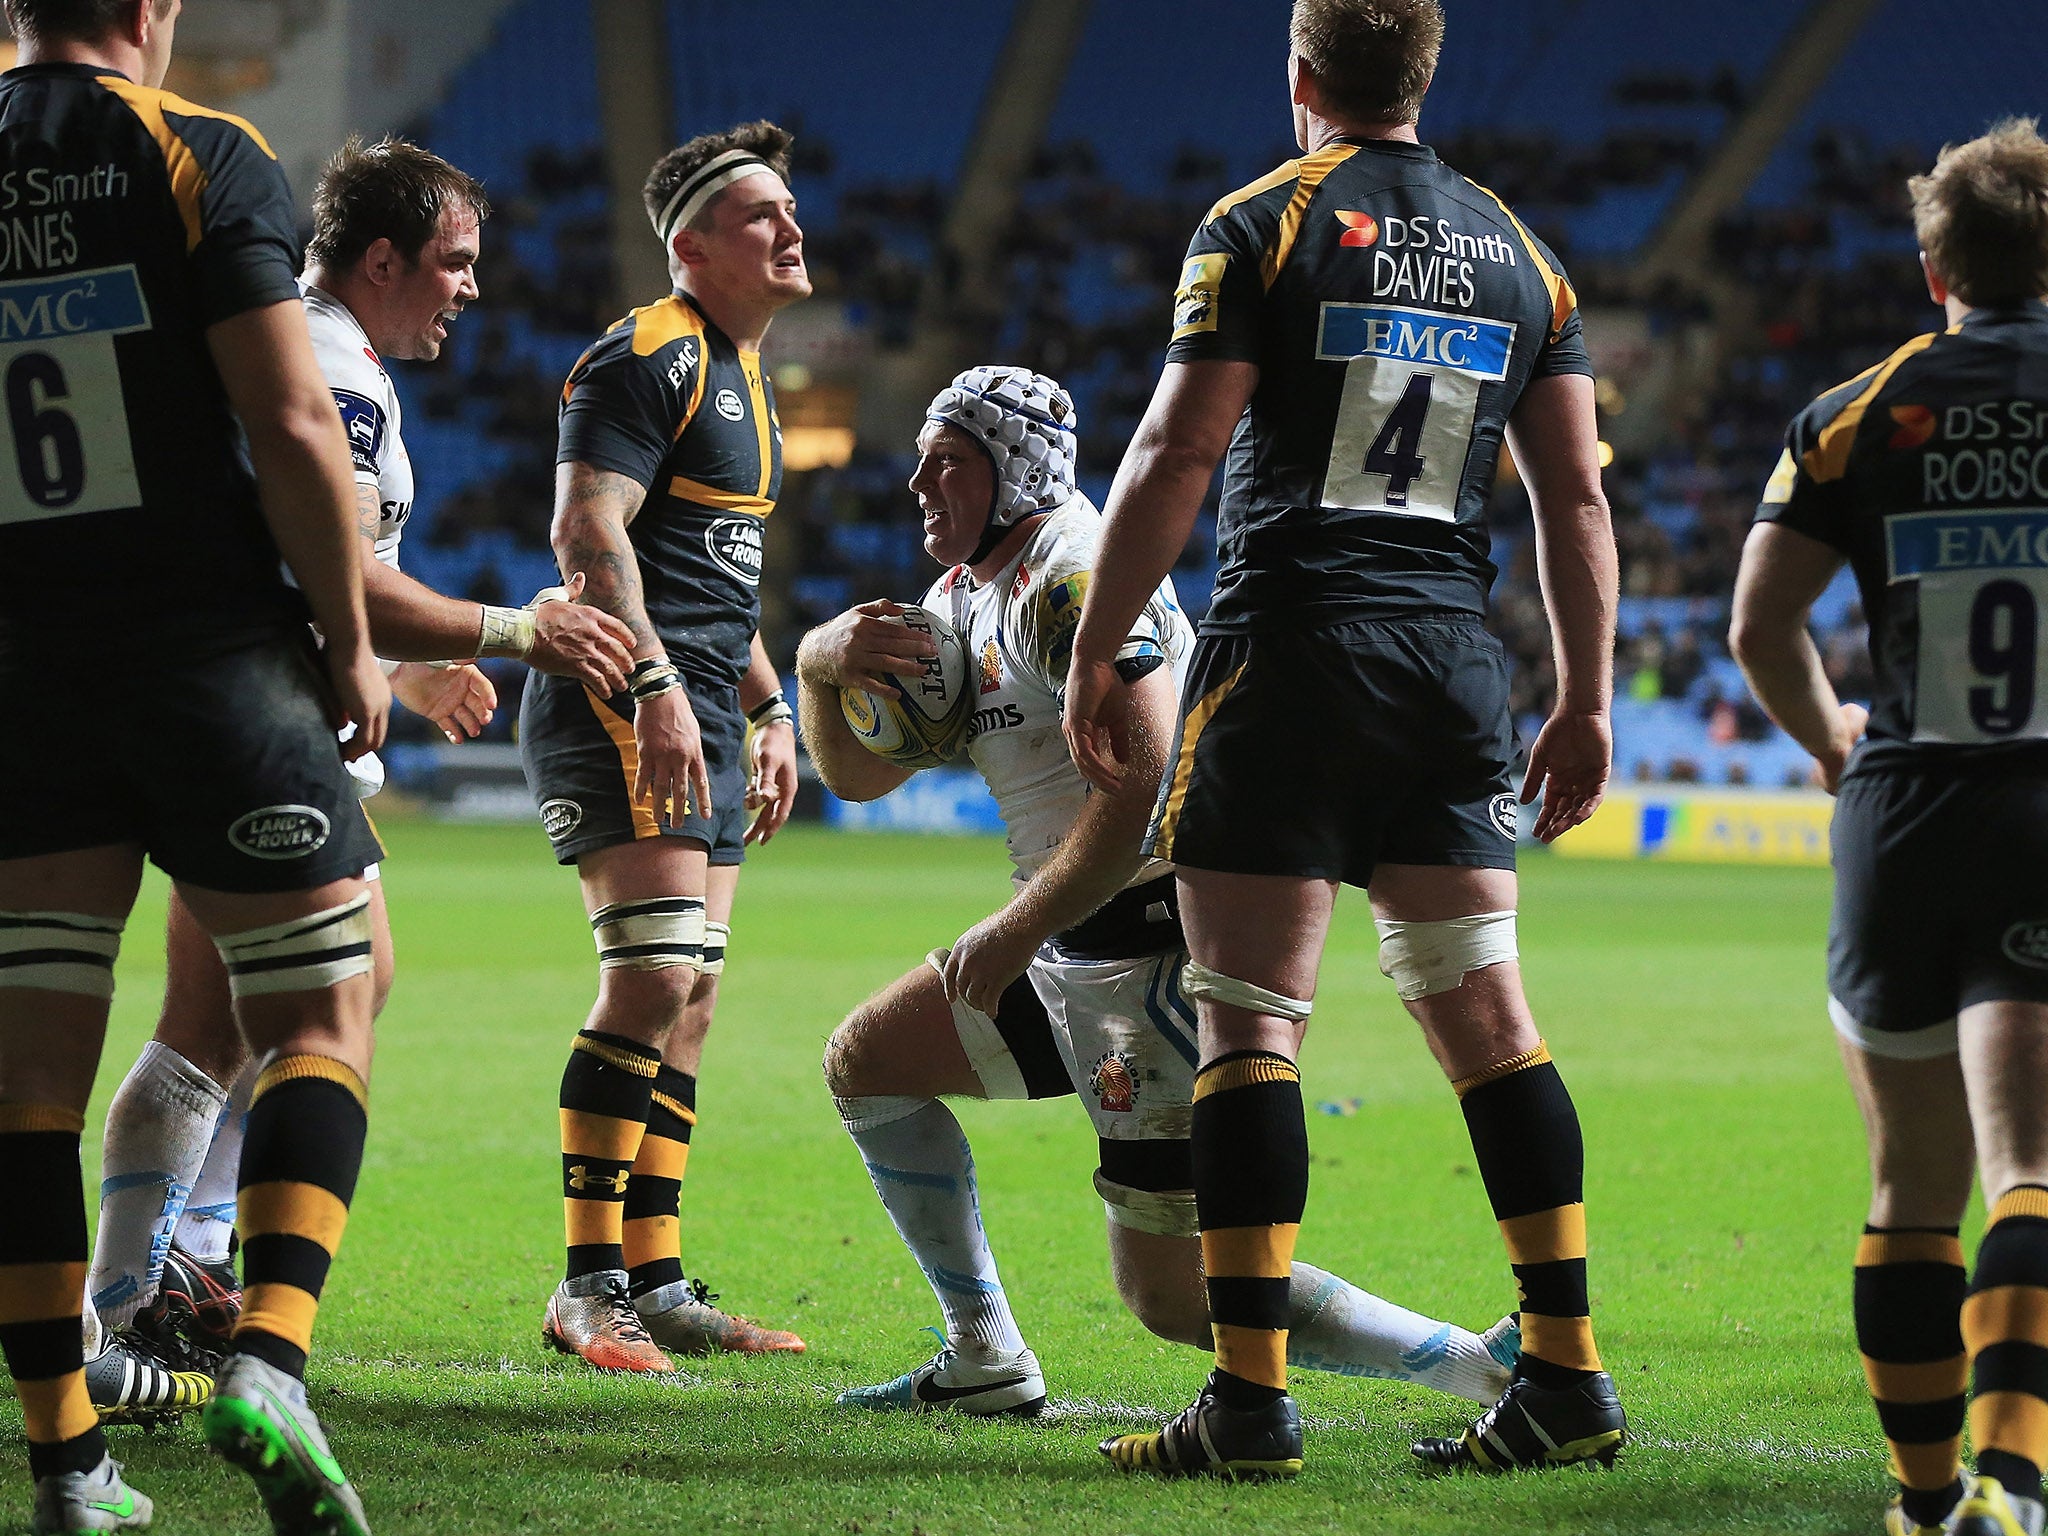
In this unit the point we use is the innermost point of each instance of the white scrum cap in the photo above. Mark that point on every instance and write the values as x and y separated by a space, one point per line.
1025 421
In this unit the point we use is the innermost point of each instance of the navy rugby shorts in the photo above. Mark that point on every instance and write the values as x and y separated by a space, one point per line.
580 758
1941 901
219 760
1324 753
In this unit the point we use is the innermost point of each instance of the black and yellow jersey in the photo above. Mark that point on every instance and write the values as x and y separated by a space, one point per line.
130 221
1929 473
666 399
1395 311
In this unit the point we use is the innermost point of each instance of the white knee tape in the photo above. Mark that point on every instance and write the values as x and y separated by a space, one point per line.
1427 958
870 1112
59 952
1198 981
716 937
649 935
1165 1213
303 955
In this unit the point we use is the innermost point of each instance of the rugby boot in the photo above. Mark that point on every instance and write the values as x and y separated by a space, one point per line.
260 1421
197 1301
129 1384
951 1383
1988 1510
1898 1523
684 1317
590 1317
1535 1427
1208 1439
89 1501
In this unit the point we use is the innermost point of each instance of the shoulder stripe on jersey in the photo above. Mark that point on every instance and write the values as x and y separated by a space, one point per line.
1278 177
1312 169
188 177
724 501
1828 458
1562 299
750 366
656 325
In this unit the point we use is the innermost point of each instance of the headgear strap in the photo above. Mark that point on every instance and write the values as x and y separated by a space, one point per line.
712 178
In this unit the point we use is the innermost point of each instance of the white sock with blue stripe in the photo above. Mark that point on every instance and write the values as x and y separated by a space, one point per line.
923 1169
158 1128
207 1228
1334 1326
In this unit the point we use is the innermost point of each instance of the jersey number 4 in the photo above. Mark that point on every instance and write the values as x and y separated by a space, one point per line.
1402 438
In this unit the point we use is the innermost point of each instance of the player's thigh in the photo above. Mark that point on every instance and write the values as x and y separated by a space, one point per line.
198 1015
1916 1121
684 1050
903 1040
1267 930
2004 1055
1483 1019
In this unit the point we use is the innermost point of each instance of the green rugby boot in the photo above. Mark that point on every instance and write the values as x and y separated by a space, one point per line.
89 1501
258 1419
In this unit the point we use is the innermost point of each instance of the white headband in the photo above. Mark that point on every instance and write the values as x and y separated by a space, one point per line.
718 173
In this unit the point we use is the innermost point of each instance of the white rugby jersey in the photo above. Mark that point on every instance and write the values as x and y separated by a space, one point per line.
369 412
1019 633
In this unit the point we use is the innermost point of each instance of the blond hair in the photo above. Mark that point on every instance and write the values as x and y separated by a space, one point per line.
1982 215
1373 59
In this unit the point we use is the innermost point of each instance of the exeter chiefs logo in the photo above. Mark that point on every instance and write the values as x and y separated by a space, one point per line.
1114 1083
2027 944
991 668
735 545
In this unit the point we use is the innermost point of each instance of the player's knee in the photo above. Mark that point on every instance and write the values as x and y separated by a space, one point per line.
848 1069
1167 1311
1423 959
1204 985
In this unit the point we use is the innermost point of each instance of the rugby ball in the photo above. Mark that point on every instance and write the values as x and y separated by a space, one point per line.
927 724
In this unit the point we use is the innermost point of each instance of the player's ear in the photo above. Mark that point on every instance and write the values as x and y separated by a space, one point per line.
688 247
1937 286
381 262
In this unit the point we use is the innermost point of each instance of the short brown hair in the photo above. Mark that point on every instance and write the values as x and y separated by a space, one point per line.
392 190
1373 59
1982 215
761 138
38 19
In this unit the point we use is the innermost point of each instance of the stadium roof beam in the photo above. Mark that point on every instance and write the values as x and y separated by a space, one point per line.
962 300
1684 245
633 66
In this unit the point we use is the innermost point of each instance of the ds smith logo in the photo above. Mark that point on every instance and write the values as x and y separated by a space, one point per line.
1359 228
1916 427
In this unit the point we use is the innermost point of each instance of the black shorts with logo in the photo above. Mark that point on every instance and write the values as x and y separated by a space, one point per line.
1941 895
219 760
580 759
1325 753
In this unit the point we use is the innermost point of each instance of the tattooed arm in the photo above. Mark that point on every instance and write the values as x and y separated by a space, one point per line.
592 509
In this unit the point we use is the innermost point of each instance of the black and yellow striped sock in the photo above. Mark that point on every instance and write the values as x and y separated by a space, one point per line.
1909 1303
605 1091
42 1285
1250 1153
301 1154
653 1233
1532 1159
2005 1321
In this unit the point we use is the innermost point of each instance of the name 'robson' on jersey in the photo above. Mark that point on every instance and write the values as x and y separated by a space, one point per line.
1396 312
668 400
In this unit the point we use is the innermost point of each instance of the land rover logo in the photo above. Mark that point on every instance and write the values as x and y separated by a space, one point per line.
558 818
2027 944
1506 814
280 832
735 543
729 405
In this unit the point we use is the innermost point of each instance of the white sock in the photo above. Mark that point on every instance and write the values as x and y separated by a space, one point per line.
923 1169
208 1222
158 1127
1334 1326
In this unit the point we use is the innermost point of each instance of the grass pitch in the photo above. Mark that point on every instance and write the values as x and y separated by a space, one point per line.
1684 1005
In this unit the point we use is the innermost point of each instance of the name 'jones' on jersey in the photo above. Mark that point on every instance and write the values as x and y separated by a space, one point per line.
1395 312
666 399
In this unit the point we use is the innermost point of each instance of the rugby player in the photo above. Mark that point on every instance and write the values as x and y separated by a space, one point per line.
1073 987
669 460
1926 476
1360 328
162 334
396 236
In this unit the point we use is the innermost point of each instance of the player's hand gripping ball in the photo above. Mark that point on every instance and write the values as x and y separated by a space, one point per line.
927 724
